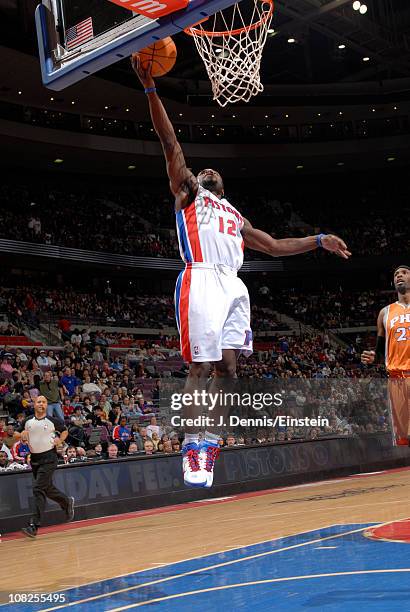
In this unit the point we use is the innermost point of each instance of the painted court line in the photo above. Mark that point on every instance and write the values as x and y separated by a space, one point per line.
203 569
219 552
257 582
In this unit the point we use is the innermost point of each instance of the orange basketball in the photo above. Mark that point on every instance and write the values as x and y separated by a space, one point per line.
162 55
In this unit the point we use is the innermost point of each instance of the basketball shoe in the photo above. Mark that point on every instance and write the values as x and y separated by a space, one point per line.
208 454
194 475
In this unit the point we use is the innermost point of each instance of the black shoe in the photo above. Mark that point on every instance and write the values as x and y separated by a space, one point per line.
69 512
30 531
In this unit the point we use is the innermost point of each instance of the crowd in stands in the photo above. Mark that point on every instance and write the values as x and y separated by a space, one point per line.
31 305
110 401
332 309
128 221
82 220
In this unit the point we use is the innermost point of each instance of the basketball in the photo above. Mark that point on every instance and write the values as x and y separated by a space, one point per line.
162 55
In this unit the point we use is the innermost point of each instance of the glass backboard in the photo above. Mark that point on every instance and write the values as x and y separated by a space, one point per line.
79 37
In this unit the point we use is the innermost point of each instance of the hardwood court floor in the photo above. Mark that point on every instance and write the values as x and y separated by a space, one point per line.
92 551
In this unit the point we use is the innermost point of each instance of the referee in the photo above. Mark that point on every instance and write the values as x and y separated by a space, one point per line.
43 434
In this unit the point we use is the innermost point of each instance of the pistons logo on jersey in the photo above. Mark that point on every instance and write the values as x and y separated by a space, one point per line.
209 231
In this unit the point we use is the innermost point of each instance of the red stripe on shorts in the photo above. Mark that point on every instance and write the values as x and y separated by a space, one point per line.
183 315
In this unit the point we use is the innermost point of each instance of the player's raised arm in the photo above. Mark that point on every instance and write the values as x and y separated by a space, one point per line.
261 241
183 183
378 355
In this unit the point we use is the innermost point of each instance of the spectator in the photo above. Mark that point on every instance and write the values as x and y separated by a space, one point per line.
5 449
78 418
153 427
70 382
155 440
230 440
133 449
10 466
148 447
52 362
52 391
19 451
81 453
71 454
98 357
112 452
115 414
167 446
67 407
90 387
42 359
121 435
10 438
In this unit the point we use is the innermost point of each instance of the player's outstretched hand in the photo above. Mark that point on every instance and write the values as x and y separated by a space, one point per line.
144 74
334 244
368 357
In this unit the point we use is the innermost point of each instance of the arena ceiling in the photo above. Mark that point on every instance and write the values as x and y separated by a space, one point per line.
318 27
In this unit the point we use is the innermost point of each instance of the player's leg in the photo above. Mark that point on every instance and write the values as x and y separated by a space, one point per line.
196 381
200 314
237 333
399 410
236 339
221 386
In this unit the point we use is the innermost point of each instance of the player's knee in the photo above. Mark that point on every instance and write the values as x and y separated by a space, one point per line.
225 370
199 370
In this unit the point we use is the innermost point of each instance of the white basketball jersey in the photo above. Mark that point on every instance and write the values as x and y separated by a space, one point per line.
209 231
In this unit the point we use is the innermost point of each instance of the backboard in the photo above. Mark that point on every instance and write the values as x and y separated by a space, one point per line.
77 38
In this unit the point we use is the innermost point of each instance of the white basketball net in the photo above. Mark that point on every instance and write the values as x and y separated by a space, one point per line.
232 58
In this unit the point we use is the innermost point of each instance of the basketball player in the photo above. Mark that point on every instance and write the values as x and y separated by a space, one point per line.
212 303
393 347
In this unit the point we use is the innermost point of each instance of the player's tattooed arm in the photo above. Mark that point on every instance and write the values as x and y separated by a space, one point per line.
261 241
183 182
378 355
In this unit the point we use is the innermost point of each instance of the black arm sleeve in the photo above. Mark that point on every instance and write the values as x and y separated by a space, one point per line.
59 425
380 349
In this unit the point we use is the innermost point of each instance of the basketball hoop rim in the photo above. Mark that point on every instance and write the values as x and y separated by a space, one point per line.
192 31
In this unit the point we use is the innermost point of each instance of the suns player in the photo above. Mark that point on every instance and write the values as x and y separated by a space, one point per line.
212 303
393 348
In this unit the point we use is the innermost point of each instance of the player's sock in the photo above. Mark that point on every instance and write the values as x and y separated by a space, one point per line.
210 437
208 453
190 438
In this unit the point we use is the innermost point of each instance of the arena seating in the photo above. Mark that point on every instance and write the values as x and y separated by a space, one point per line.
123 221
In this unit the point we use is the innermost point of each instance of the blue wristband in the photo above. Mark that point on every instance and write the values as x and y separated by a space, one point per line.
319 239
149 90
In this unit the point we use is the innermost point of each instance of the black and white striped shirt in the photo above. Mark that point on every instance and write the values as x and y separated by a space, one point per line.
41 433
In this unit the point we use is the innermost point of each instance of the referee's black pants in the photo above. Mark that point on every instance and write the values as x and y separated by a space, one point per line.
44 487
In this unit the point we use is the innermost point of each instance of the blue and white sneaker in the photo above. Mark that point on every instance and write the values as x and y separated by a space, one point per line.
208 454
194 475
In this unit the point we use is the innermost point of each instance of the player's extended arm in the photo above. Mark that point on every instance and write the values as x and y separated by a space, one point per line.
261 241
183 183
379 354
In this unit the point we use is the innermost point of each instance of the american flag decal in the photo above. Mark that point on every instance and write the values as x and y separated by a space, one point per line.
80 33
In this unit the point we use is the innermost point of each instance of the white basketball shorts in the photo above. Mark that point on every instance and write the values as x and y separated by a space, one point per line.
212 311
